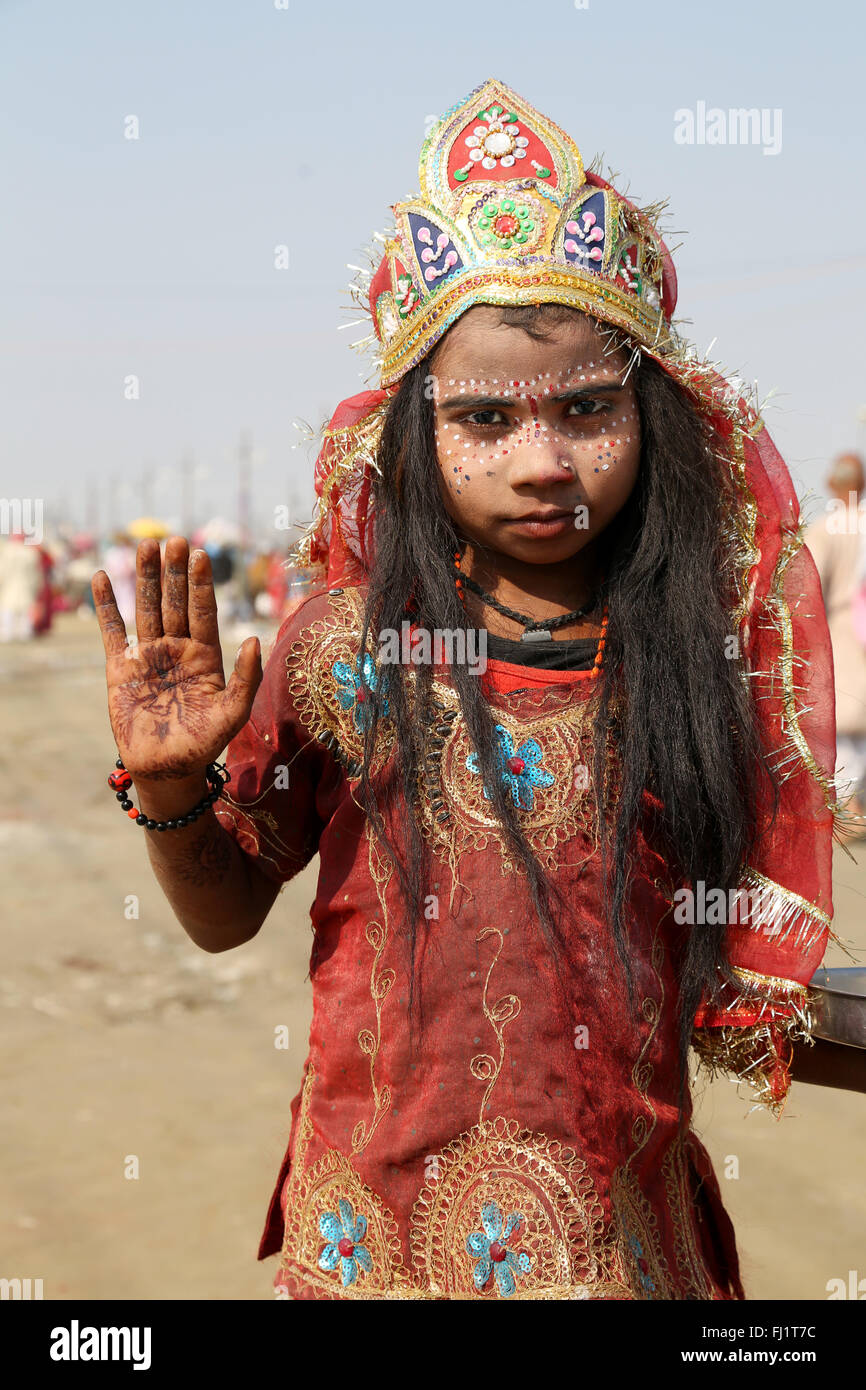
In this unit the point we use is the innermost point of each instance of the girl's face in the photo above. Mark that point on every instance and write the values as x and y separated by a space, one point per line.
538 440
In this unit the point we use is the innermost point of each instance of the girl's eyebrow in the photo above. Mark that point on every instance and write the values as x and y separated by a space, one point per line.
487 402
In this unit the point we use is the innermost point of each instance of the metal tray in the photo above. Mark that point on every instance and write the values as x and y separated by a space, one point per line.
840 1004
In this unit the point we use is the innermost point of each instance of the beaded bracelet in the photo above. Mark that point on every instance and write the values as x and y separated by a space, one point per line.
121 781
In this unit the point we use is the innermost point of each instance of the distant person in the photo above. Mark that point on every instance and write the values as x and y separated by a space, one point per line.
20 586
120 565
838 545
43 608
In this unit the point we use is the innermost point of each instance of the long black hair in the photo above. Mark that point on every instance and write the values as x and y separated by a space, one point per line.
674 703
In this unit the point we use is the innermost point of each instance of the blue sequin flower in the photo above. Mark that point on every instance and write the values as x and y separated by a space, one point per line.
344 1235
488 1248
354 686
521 771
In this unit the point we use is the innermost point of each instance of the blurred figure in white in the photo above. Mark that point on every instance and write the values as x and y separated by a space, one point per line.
20 586
119 564
838 545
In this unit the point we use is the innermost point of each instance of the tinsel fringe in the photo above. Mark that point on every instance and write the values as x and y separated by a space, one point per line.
759 1053
786 911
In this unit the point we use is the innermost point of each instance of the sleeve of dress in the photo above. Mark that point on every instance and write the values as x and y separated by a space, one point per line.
780 923
272 803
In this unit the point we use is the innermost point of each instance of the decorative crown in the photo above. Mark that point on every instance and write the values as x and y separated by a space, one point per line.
508 215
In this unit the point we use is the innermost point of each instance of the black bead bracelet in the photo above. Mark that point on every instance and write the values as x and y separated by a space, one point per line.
121 782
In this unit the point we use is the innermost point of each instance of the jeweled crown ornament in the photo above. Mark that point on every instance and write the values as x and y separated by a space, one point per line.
508 215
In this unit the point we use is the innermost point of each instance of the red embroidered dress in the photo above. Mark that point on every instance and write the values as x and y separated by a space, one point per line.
529 1148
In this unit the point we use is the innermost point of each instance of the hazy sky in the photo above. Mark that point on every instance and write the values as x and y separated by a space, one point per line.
261 125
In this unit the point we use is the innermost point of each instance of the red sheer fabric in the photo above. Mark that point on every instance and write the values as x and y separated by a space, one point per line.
537 1115
782 925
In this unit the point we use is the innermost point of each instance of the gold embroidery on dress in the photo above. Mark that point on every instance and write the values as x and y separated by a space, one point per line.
676 1168
640 1250
312 1192
561 724
642 1071
545 1209
524 1174
521 1173
484 1067
558 718
249 823
336 636
380 986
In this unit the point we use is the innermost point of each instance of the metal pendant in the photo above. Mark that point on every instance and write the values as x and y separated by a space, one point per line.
538 634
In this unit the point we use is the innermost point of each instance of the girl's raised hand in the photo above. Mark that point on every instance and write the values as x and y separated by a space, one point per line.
170 708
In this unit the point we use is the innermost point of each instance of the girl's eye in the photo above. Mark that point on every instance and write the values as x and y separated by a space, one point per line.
588 406
485 417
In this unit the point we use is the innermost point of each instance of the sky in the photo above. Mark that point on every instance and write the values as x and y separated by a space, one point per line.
281 122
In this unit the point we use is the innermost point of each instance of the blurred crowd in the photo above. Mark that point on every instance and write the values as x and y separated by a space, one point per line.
40 578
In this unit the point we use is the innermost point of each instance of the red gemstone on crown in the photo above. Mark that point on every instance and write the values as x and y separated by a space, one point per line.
497 1251
345 1247
506 225
516 765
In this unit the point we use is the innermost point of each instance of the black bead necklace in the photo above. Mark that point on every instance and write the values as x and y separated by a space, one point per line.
540 630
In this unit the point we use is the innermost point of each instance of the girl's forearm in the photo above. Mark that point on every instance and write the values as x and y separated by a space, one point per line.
830 1064
217 894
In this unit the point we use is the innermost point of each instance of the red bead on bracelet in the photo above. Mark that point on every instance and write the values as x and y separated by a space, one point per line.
120 782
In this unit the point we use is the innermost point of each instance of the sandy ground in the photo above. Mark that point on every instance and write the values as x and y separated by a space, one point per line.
121 1039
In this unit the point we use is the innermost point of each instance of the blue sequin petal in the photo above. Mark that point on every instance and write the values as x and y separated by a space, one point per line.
504 1278
347 1216
350 1270
518 1264
329 1258
514 1220
506 744
360 1230
539 778
491 1220
478 1244
364 1258
521 790
481 1272
330 1227
530 751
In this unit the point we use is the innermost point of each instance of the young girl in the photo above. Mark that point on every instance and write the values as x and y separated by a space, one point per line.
564 690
